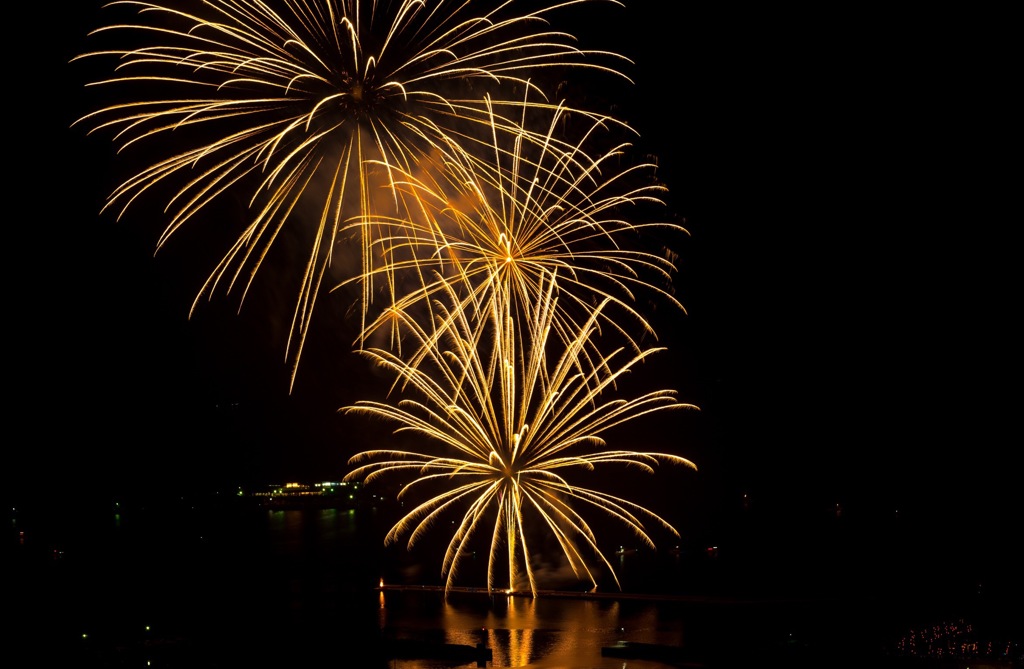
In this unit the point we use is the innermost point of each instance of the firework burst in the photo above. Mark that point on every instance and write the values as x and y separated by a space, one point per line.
493 230
285 103
514 427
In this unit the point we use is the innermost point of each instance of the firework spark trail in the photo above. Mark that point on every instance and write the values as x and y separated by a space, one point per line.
511 426
288 104
540 205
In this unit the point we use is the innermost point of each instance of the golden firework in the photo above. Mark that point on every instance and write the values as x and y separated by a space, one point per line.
492 230
285 104
512 416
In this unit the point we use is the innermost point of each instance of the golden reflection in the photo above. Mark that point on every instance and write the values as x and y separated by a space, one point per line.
523 631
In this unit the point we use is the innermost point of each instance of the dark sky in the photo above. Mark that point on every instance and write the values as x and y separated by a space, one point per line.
850 279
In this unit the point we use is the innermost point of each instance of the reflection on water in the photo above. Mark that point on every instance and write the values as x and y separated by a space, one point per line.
186 585
524 632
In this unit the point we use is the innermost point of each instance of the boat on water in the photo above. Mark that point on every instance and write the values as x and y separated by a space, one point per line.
324 495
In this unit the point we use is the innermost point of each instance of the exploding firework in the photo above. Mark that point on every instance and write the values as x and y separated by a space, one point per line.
515 419
286 104
492 230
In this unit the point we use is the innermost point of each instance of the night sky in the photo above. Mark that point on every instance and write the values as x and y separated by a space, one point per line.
851 280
